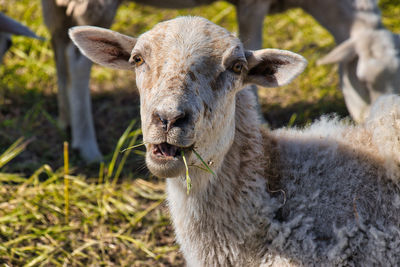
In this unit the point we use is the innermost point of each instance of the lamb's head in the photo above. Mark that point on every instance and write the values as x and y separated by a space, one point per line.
188 71
371 62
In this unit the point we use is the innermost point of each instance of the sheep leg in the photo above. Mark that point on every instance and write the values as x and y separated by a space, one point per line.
59 47
250 16
57 23
83 132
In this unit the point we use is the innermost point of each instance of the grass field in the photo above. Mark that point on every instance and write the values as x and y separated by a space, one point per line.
113 214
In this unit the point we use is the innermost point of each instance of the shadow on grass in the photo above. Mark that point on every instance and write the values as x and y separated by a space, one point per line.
33 114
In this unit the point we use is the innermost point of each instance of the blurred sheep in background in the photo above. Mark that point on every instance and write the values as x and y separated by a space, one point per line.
369 54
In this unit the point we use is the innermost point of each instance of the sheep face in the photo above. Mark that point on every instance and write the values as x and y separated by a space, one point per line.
187 90
188 71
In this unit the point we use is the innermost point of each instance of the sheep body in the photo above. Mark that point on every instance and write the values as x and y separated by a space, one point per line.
340 204
326 195
342 183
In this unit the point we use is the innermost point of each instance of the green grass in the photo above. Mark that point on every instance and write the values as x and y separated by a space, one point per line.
106 224
113 213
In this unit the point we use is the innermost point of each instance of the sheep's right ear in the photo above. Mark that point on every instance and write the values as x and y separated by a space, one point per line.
344 52
103 46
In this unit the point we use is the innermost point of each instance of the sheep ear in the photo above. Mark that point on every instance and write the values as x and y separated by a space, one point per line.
344 52
105 47
273 67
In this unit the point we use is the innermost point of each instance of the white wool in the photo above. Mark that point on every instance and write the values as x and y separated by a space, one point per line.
384 125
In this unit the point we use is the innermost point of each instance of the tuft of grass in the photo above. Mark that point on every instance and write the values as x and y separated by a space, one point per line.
120 143
134 136
14 150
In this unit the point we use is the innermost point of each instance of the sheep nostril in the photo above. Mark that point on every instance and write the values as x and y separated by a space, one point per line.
164 123
171 120
180 120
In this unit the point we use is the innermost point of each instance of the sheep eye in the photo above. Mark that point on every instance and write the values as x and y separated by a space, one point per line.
237 67
138 60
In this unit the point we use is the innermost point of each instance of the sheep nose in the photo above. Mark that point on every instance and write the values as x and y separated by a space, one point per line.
168 120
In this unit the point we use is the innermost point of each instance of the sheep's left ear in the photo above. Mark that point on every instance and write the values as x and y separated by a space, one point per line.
273 67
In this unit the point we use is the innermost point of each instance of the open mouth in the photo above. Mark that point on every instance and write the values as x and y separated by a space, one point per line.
165 160
165 151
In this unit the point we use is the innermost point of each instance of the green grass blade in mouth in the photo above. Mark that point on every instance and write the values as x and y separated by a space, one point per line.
132 147
204 163
188 180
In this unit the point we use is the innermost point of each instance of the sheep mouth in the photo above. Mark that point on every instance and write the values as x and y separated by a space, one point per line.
165 151
166 160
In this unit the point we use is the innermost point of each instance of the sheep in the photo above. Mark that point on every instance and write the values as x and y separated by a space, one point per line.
9 26
370 61
326 195
73 71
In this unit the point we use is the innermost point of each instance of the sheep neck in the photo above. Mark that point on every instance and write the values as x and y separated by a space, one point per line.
228 212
